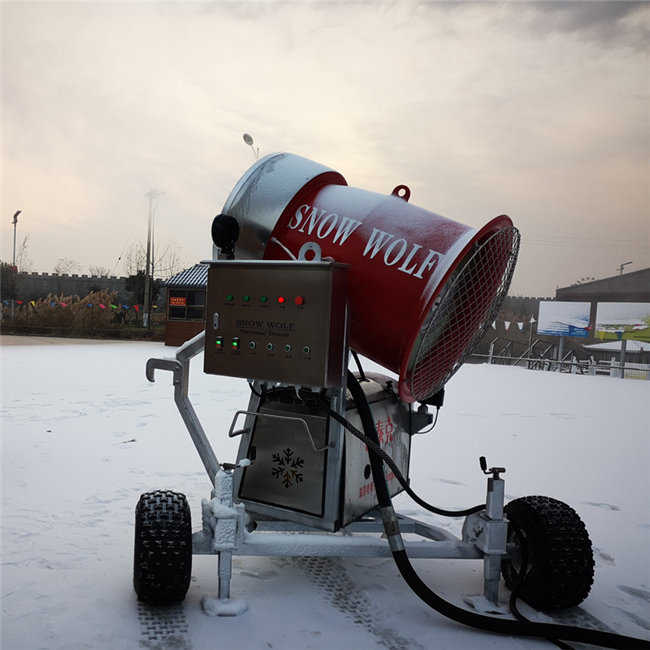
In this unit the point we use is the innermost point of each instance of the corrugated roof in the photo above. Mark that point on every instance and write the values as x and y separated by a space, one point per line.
192 278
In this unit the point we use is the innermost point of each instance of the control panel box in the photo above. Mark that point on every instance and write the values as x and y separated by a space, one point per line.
284 322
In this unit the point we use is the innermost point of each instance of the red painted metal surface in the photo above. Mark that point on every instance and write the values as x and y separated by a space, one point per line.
414 307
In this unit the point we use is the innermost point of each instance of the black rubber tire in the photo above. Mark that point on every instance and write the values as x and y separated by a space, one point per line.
560 560
162 564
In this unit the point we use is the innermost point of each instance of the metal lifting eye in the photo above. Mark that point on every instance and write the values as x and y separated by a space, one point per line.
310 247
403 192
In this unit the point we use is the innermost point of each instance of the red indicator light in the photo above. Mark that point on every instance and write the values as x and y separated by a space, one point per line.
281 299
299 300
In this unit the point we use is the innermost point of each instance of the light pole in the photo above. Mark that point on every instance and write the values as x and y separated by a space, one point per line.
248 139
622 266
13 262
146 318
15 222
530 340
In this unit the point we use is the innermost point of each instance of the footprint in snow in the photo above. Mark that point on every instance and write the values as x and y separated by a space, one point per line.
448 481
641 622
260 575
604 506
636 592
605 557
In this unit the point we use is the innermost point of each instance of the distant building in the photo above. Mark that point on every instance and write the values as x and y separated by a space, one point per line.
626 287
186 304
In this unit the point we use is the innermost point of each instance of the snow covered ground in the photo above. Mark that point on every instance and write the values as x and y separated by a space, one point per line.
84 434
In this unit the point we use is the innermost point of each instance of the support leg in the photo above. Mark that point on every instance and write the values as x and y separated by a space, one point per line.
225 574
493 540
491 577
224 605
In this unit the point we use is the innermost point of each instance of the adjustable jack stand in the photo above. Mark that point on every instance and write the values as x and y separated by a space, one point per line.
488 530
222 525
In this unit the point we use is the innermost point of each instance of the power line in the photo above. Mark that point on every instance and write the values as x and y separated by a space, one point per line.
585 242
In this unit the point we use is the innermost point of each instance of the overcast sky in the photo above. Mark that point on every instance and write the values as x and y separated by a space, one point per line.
536 110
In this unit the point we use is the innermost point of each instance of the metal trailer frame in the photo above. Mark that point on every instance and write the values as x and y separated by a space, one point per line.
228 529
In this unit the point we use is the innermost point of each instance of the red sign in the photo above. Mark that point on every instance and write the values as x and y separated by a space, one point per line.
178 301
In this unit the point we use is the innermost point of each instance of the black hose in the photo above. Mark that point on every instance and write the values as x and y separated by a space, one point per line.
471 619
378 451
514 594
355 356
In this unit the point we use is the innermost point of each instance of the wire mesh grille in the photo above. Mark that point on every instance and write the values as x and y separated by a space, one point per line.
465 308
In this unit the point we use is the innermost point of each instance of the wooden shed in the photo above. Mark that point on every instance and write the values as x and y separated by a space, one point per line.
186 304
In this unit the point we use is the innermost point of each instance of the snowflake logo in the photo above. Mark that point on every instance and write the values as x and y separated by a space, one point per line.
286 467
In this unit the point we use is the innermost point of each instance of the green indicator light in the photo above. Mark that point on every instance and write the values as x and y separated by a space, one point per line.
246 298
263 298
230 297
235 344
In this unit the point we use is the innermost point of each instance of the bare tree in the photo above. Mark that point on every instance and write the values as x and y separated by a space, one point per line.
167 260
99 271
134 259
23 260
65 266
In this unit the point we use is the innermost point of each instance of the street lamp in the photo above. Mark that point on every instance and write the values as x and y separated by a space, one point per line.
148 274
620 268
530 340
13 262
248 139
15 222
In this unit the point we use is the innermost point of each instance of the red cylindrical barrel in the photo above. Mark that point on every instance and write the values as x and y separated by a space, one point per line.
422 288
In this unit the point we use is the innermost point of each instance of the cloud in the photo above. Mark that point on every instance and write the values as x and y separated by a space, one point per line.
482 108
615 22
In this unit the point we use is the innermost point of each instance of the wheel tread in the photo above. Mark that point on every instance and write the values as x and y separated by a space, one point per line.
561 567
163 547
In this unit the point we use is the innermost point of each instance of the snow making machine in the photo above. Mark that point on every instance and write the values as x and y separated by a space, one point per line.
307 275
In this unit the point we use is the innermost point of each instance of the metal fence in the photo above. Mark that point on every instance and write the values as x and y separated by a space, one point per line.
569 364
